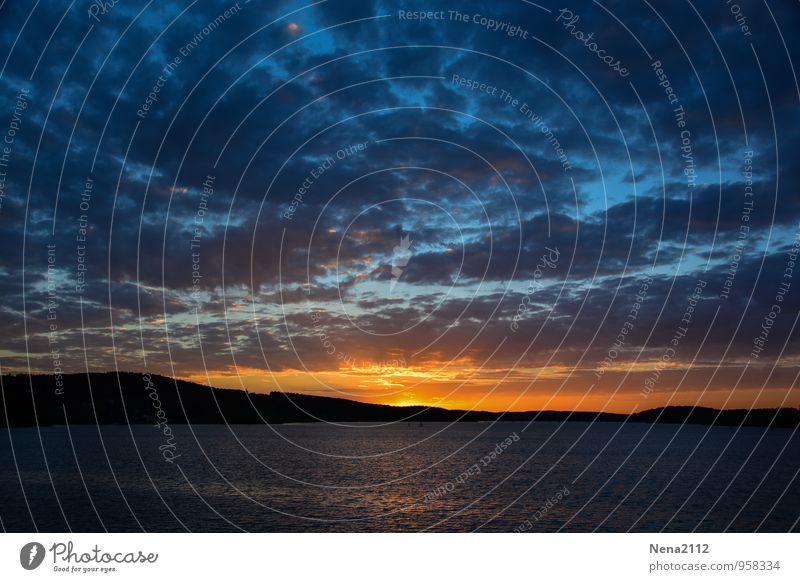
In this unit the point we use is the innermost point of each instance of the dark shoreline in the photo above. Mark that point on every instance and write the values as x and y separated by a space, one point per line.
129 398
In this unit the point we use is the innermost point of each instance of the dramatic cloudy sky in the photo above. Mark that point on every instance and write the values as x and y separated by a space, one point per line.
509 164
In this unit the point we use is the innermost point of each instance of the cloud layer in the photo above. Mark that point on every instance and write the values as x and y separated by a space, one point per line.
223 193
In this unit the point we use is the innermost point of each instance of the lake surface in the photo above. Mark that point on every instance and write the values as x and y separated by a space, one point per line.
402 477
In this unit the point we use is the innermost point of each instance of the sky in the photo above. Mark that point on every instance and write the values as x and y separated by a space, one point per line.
500 206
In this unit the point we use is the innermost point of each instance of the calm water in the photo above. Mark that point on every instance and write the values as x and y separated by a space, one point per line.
313 477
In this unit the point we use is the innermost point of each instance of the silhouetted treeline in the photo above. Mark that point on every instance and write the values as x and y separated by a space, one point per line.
122 398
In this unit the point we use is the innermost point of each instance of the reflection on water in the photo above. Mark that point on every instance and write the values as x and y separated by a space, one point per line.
402 477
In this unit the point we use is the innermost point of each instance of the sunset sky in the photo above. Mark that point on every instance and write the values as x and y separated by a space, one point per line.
486 210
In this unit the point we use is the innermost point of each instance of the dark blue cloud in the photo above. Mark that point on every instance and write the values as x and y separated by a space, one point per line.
549 147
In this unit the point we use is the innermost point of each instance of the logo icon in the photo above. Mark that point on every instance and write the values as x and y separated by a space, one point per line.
31 555
400 257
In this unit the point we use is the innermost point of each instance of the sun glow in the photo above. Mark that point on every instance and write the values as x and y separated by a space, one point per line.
465 385
397 375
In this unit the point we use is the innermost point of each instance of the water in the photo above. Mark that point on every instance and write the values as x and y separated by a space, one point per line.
401 477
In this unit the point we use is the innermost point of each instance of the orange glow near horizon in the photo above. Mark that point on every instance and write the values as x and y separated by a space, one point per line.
465 387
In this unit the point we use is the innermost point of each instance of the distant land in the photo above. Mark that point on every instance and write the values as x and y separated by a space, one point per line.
131 398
